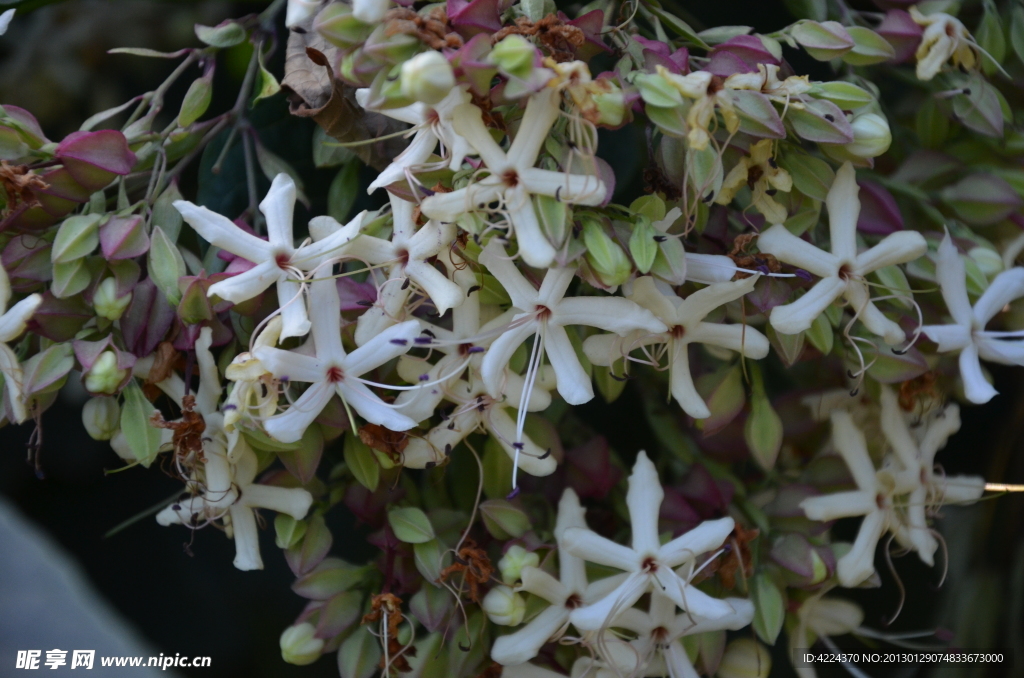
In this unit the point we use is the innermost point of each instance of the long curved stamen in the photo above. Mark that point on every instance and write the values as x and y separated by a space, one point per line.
531 378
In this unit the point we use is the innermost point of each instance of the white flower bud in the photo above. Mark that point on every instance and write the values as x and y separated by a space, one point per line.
745 658
871 136
513 562
106 302
101 417
504 606
105 376
299 645
427 77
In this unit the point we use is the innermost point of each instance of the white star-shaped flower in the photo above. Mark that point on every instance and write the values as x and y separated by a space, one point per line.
277 259
883 497
545 313
512 177
685 321
565 594
649 564
12 324
431 125
331 370
842 271
660 631
967 333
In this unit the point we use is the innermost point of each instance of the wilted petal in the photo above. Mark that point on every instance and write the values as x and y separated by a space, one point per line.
295 321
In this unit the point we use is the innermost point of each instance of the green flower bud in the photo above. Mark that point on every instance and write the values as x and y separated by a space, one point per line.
605 256
871 136
987 260
513 562
745 658
611 107
504 606
105 376
106 302
427 77
514 55
101 417
300 646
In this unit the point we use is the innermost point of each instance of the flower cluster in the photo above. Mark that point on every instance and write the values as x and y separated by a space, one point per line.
508 270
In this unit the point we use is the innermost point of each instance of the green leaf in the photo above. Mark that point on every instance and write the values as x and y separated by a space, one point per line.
503 520
769 608
895 282
991 38
266 84
1017 31
609 387
144 52
327 152
273 164
411 525
69 279
261 441
932 124
47 371
165 215
497 469
77 236
678 26
359 654
787 346
227 34
97 118
166 265
869 47
344 190
820 334
288 531
360 460
142 439
811 176
843 94
429 558
197 100
763 428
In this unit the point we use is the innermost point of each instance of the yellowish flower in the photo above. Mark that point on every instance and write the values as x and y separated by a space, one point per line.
944 39
759 171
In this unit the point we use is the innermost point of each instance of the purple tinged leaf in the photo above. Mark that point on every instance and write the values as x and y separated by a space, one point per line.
64 186
303 462
356 296
982 199
470 18
95 158
677 514
822 122
469 63
60 319
879 213
88 352
329 578
980 108
740 54
315 546
893 368
46 371
592 25
147 319
124 238
758 116
706 495
339 614
793 552
431 606
589 469
31 132
27 258
902 32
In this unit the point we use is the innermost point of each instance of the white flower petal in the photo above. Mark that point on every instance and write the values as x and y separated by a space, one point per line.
389 344
788 248
532 459
839 505
248 284
681 383
293 501
948 337
496 260
603 612
849 442
572 380
704 538
644 499
289 426
373 409
709 268
534 246
594 548
859 563
497 357
541 112
220 231
1004 351
976 387
896 248
278 206
741 338
796 317
613 314
443 292
524 644
247 538
290 366
896 430
292 301
949 270
843 211
1006 287
696 306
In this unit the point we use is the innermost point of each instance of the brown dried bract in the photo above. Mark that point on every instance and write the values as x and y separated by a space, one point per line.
740 256
492 671
918 390
738 555
475 566
391 443
433 30
655 181
188 431
20 184
559 39
389 606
